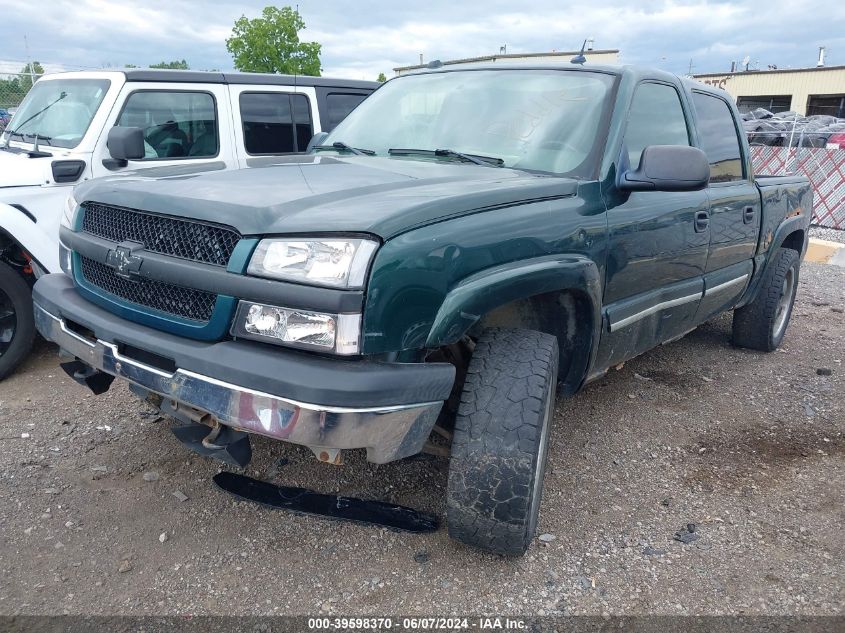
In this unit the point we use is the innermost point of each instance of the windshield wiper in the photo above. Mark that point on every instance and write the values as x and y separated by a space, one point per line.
40 137
61 96
12 133
35 152
340 145
486 161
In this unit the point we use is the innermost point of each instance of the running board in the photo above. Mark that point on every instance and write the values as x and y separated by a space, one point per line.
304 501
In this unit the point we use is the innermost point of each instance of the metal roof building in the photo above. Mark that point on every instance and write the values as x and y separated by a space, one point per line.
807 91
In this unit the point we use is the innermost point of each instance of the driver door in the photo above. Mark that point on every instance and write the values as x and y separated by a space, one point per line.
657 241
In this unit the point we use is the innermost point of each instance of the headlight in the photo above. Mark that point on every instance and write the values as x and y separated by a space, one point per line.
339 263
337 333
69 212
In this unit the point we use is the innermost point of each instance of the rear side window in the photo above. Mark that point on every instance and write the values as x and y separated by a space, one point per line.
655 118
275 122
719 140
339 105
176 124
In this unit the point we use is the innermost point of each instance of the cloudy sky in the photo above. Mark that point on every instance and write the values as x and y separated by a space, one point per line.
364 37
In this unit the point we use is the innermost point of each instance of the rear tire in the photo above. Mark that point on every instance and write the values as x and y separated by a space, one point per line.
762 323
500 440
17 327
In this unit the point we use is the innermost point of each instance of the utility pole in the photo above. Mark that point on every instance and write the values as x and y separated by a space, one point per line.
28 60
689 71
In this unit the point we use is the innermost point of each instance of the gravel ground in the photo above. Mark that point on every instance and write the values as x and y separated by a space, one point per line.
829 234
746 446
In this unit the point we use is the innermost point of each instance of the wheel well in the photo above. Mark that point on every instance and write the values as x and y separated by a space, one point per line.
16 257
567 314
795 241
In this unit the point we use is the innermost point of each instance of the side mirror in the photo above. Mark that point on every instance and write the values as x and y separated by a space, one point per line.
668 168
126 143
317 139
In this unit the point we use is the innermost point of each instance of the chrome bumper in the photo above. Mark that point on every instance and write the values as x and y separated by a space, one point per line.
388 433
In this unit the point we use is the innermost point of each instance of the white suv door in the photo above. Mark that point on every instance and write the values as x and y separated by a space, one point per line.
183 124
272 120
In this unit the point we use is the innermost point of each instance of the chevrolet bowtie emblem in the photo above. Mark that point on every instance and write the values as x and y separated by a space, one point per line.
125 264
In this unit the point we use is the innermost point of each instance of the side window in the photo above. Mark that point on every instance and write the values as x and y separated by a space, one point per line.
719 140
339 105
176 124
275 122
655 118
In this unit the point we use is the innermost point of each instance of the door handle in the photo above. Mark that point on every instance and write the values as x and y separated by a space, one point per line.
748 215
702 221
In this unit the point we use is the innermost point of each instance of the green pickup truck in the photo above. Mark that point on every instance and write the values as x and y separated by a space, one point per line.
468 245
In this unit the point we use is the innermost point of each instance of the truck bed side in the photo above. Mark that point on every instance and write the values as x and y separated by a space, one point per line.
787 210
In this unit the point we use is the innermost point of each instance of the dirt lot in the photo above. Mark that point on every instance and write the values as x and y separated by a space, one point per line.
749 447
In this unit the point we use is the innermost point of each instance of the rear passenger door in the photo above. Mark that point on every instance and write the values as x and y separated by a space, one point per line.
734 205
182 125
272 121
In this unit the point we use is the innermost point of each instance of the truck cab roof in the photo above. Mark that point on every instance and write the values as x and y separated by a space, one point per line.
632 72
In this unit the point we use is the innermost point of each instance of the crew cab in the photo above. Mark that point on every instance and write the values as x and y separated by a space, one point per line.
465 246
60 136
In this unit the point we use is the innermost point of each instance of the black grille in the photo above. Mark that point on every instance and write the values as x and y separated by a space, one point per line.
161 234
187 303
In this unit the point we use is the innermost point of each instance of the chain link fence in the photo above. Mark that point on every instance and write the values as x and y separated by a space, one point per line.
13 88
787 143
813 146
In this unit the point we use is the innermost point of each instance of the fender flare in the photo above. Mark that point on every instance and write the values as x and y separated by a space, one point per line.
761 261
787 228
478 294
32 236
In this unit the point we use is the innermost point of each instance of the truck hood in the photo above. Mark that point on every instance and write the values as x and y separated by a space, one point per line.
319 193
17 169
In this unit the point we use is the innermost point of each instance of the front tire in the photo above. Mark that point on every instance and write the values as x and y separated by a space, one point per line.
500 441
762 323
17 327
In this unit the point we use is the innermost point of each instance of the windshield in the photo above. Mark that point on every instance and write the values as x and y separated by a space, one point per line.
59 111
543 120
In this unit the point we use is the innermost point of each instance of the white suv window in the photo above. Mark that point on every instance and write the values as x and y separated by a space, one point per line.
176 124
275 122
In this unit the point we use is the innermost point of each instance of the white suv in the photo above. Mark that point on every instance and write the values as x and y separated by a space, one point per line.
186 120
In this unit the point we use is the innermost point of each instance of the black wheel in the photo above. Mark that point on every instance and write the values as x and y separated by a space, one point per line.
762 323
17 327
500 440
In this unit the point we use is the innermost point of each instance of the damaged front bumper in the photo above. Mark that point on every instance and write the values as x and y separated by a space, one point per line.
387 431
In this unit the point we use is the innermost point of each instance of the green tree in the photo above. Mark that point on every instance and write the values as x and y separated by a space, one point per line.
35 69
381 78
12 91
271 44
178 64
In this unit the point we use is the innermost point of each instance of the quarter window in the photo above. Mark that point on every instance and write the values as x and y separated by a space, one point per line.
655 118
275 122
339 105
719 140
176 124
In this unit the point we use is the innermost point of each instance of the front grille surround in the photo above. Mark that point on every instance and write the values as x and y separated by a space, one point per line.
187 303
185 239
